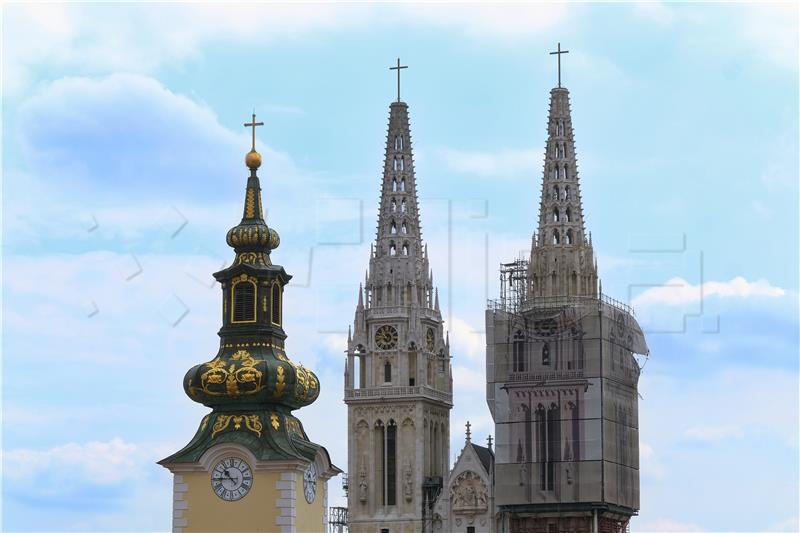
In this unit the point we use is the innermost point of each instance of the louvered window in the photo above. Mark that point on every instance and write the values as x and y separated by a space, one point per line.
244 302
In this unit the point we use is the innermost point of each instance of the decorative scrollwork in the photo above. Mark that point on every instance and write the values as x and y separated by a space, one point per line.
224 379
251 422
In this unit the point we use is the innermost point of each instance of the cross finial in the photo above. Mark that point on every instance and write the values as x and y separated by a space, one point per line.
558 54
489 442
253 125
397 68
469 433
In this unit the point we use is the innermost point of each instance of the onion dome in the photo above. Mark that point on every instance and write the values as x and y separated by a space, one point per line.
250 384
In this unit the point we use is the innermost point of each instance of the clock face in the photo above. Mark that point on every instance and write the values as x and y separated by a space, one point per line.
231 479
310 483
386 337
430 339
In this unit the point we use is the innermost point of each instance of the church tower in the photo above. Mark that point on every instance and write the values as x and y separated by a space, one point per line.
398 381
250 466
561 373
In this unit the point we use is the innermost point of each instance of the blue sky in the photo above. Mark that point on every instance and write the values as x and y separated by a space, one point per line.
123 169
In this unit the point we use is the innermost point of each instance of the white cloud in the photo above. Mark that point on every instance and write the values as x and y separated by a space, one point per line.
465 340
101 463
90 39
656 12
713 433
502 22
467 379
775 23
502 163
667 525
790 524
678 291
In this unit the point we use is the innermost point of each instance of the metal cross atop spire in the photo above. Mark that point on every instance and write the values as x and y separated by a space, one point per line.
469 433
397 68
558 54
253 125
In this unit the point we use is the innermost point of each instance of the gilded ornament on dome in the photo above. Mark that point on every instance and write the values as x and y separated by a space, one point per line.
239 380
250 203
251 422
280 383
273 418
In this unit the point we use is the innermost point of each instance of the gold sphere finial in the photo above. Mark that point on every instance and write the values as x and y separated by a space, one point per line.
252 160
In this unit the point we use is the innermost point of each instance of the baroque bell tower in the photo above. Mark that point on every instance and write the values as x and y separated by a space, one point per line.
398 381
251 466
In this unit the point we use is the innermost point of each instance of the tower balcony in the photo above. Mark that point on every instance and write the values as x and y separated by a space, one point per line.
398 393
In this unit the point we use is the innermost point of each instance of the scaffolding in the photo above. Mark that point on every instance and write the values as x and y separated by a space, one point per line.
337 519
514 284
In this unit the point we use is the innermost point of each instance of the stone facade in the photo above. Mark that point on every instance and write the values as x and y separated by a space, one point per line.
398 381
467 503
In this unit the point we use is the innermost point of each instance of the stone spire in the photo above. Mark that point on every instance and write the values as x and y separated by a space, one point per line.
398 221
398 254
562 260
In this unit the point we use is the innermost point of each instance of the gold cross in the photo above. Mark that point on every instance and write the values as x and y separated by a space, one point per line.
558 54
397 68
253 125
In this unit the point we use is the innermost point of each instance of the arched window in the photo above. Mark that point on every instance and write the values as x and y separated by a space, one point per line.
569 236
568 215
403 206
402 163
396 164
244 301
555 192
566 172
554 173
393 229
405 248
546 354
404 229
555 214
566 192
275 298
394 184
403 184
392 249
387 372
398 142
518 349
556 237
394 205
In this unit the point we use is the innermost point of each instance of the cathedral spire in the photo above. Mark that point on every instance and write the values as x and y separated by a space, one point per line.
561 233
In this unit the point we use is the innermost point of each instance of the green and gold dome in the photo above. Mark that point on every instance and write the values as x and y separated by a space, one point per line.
251 384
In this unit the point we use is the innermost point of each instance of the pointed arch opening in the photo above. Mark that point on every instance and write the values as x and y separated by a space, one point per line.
404 228
568 215
555 192
556 237
387 372
392 250
555 214
403 184
566 193
394 205
403 206
393 228
569 236
405 248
